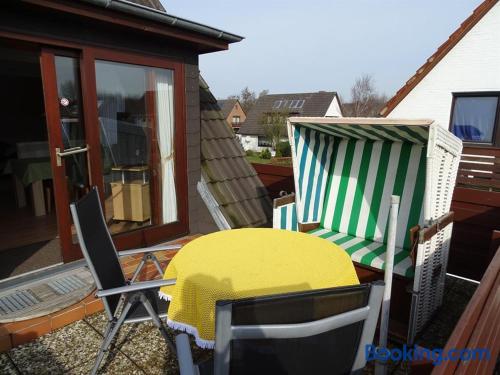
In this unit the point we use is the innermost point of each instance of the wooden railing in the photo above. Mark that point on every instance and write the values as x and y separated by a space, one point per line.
275 178
479 168
478 327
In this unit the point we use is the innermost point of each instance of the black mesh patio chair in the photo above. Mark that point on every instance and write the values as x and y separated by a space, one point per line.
124 301
315 332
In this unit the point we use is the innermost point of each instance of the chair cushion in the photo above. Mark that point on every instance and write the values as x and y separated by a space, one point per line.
363 176
367 252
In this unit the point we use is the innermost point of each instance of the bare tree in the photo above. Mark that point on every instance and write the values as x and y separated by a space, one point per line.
365 101
247 98
274 126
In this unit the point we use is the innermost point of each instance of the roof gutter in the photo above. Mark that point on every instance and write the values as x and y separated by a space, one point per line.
128 7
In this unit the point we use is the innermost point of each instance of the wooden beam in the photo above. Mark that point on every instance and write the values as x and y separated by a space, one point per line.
287 199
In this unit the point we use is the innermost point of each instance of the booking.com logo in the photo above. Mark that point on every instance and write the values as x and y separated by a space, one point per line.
436 356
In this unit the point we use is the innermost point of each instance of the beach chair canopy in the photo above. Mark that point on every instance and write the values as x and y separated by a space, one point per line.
346 170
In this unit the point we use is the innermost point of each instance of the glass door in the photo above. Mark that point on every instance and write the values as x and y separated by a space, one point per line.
67 139
139 157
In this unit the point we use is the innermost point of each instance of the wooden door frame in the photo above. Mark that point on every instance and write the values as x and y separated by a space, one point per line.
50 93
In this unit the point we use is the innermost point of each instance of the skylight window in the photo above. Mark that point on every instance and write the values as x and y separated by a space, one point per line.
292 104
300 103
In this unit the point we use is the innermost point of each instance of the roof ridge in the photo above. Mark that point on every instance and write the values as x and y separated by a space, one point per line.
301 93
477 14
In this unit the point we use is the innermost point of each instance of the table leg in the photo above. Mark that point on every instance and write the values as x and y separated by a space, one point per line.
38 198
20 194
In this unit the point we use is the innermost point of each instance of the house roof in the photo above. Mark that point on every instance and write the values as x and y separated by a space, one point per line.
152 11
314 104
226 105
231 179
441 52
155 4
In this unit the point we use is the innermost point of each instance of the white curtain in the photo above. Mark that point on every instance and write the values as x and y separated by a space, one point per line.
165 116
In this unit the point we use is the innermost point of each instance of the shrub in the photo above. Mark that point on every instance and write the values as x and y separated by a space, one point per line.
265 154
283 150
250 152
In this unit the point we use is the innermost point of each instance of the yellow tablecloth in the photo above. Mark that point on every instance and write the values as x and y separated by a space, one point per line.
242 263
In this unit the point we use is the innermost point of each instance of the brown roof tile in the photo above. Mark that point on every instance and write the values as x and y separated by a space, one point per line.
441 52
231 179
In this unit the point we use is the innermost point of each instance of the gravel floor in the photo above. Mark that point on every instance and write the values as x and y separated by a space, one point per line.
140 349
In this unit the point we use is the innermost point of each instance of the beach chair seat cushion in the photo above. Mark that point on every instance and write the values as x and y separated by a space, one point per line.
368 252
364 176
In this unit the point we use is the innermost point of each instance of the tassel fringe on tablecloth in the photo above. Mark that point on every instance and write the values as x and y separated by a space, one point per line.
202 343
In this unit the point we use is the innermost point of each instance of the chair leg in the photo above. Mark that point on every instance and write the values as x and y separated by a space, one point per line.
103 348
157 264
139 268
110 332
158 323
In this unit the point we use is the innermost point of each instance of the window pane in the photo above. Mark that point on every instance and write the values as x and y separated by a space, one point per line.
474 118
133 102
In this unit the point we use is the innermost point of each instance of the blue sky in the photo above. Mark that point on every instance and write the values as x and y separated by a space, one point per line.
301 46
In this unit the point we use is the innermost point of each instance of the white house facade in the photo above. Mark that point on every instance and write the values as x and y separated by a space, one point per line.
462 90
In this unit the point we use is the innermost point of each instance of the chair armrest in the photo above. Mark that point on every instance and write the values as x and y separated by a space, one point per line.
184 357
281 201
427 233
143 285
307 227
149 249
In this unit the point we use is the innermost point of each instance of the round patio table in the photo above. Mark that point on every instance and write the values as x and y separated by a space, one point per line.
241 263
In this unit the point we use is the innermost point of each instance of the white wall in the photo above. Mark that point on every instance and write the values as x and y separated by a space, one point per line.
250 142
472 65
334 108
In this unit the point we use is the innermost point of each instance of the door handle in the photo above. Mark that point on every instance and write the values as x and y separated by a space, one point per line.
70 151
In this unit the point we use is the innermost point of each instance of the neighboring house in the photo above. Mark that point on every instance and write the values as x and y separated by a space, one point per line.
459 87
118 83
233 113
313 104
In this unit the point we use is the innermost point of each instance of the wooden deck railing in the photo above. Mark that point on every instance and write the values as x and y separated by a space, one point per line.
275 178
480 168
478 327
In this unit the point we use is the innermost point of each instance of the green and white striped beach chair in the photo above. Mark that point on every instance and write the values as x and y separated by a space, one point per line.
345 172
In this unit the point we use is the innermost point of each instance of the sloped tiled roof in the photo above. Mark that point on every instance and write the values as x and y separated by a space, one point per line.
231 179
226 105
441 52
315 105
155 4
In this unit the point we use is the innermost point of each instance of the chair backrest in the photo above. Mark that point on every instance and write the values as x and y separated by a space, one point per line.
314 332
363 175
97 246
